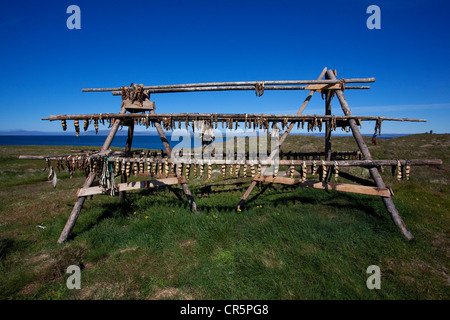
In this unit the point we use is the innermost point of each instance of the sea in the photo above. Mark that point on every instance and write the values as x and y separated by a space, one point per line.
139 141
142 142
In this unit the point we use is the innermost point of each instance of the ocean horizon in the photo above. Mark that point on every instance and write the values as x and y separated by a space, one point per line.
139 141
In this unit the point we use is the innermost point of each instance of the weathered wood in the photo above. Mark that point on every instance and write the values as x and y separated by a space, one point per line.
246 88
123 177
90 179
389 204
240 117
238 83
341 163
374 191
328 127
122 187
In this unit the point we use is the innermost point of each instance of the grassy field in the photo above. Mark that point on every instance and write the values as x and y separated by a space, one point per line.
287 243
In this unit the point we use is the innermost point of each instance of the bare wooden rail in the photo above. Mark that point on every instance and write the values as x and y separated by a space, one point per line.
238 84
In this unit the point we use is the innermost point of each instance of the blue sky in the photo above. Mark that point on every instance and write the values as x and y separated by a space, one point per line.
44 65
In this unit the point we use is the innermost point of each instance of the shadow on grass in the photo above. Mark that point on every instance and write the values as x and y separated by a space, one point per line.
341 200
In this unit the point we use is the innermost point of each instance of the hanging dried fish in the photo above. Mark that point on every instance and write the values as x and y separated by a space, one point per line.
244 171
231 169
336 171
179 169
149 166
128 168
314 168
64 125
123 166
77 127
160 168
224 171
399 171
324 171
252 170
86 124
135 168
291 170
117 167
209 170
141 165
96 125
259 169
237 169
187 172
202 167
407 170
304 171
195 167
166 166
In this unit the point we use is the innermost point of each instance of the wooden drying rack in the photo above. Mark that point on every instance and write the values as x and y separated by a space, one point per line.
137 109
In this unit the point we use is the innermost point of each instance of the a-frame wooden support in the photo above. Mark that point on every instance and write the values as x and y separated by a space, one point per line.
379 188
84 191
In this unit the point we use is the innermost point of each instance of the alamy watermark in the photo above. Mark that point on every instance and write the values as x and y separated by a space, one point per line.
374 281
74 281
374 20
74 20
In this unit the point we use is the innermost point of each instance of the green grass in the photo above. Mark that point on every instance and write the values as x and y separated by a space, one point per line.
287 243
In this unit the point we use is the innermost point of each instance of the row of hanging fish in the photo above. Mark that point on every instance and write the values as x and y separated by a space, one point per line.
86 124
168 123
160 167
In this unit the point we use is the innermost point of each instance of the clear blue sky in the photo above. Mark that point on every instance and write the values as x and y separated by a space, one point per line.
44 65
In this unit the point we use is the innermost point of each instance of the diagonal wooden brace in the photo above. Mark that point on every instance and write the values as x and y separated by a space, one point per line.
88 182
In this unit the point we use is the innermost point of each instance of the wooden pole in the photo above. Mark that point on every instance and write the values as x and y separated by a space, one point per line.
341 163
168 148
282 138
328 126
124 178
90 179
241 117
238 83
389 204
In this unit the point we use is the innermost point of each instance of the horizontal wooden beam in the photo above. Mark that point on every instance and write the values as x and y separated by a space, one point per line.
343 163
83 192
219 117
373 191
252 84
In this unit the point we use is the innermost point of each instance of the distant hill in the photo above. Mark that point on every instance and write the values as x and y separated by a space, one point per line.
72 132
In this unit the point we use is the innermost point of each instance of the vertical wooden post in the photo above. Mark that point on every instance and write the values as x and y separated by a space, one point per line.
389 204
328 98
124 177
88 182
168 148
282 138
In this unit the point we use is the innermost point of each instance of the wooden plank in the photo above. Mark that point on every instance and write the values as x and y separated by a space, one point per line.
319 87
84 192
353 188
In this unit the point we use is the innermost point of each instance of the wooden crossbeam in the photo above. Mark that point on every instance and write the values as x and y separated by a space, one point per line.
83 192
240 117
373 191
